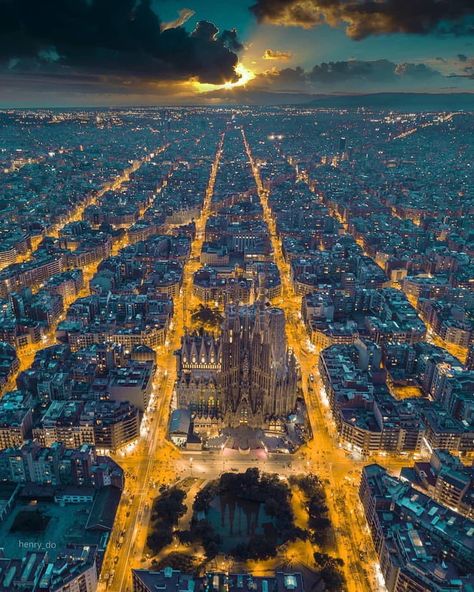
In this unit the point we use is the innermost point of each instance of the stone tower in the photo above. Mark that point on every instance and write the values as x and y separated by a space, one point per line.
259 375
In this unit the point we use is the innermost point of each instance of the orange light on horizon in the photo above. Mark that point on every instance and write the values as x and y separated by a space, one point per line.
245 76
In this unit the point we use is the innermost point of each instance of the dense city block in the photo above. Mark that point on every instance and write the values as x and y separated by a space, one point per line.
236 350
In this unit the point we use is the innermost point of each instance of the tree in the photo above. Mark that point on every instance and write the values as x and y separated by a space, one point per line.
272 507
184 563
169 506
251 486
330 571
211 548
319 523
167 509
159 539
184 537
258 547
333 579
209 318
205 497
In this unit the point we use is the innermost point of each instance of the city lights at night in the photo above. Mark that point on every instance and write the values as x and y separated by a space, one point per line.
236 296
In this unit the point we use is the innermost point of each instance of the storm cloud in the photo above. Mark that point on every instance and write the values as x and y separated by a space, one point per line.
350 74
111 37
383 71
362 18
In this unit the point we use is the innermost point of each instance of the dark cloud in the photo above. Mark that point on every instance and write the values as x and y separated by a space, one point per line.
383 71
350 74
116 37
418 71
363 18
466 70
291 76
231 40
468 73
330 72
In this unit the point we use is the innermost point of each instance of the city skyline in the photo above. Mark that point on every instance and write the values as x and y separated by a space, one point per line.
236 296
236 343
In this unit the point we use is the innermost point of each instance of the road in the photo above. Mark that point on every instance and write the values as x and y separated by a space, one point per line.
323 453
114 184
152 461
27 355
413 130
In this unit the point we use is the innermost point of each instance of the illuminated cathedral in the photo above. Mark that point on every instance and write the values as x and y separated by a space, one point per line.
247 376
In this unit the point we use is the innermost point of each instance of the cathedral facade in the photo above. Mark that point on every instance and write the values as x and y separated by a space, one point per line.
259 375
199 366
247 376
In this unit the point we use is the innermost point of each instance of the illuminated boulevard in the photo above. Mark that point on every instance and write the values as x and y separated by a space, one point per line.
28 354
322 454
153 461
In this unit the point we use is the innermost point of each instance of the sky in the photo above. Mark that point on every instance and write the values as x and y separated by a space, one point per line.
125 52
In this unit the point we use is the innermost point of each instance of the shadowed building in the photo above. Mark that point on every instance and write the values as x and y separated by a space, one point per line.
259 376
247 376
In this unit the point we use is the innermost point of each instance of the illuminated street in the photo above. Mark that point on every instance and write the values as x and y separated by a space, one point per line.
188 292
48 339
323 453
152 462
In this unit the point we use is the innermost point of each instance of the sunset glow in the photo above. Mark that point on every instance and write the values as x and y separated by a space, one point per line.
236 295
245 76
